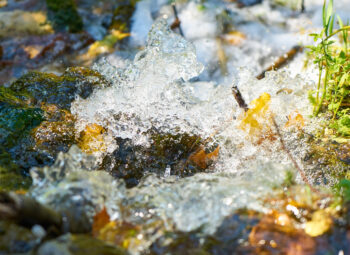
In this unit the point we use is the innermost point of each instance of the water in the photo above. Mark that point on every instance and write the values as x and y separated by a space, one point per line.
158 92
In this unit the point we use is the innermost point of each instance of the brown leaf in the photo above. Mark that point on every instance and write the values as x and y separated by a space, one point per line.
202 159
101 219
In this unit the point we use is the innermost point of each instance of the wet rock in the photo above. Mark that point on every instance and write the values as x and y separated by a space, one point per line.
21 23
230 238
33 52
36 122
78 245
17 121
71 188
11 176
276 238
64 16
15 239
244 3
167 151
59 90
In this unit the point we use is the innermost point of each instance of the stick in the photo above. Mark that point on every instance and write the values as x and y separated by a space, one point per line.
27 212
302 6
282 61
284 148
177 22
239 99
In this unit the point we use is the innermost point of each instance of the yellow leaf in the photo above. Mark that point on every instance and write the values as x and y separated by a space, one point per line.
256 120
234 37
91 139
319 224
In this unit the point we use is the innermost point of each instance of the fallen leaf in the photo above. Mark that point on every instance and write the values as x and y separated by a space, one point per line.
91 139
295 119
256 120
101 219
234 37
33 50
202 159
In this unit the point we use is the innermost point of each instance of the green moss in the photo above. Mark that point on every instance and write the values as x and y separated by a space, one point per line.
11 177
16 122
58 90
64 16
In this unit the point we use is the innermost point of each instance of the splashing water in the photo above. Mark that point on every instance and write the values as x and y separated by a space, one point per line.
156 92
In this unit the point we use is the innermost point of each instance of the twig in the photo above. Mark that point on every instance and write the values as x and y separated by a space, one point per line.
177 22
239 99
282 61
284 148
303 6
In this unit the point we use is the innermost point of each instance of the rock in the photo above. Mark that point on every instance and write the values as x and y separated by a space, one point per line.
35 120
131 162
15 239
59 90
72 188
11 176
22 23
64 16
275 238
78 245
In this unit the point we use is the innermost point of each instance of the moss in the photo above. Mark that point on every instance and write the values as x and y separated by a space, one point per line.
58 90
11 177
16 122
35 122
64 16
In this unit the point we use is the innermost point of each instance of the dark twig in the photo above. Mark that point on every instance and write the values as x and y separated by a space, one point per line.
177 22
282 61
239 99
284 148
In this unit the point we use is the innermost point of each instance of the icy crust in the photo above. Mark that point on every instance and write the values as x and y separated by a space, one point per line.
154 93
73 187
204 200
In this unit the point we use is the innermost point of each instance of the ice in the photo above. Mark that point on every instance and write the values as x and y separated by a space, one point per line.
74 187
154 93
204 200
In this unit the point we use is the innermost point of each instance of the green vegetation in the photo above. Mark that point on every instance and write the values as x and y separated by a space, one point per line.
333 61
64 16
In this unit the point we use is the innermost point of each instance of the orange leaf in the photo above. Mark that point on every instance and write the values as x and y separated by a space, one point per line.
202 159
295 119
100 220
